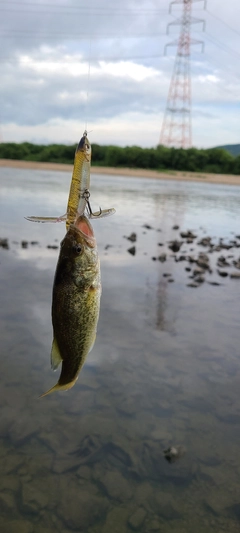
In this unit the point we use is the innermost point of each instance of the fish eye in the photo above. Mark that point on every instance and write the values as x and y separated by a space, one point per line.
77 248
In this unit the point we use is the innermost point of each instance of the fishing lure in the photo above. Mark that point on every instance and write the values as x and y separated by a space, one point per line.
79 194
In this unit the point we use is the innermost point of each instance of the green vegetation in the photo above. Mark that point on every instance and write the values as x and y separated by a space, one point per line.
215 160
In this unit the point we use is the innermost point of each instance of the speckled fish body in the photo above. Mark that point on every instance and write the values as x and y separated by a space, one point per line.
76 302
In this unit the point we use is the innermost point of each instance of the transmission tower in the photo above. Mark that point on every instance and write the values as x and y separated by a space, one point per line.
176 127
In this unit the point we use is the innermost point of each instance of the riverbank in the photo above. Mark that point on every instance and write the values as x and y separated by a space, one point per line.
138 172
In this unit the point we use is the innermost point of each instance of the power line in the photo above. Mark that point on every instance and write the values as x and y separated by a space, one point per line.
80 35
223 22
222 45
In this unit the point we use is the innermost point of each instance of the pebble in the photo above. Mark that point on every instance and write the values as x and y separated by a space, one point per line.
175 246
235 275
4 244
132 250
132 237
162 258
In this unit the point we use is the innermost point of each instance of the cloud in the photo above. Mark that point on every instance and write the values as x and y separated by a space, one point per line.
63 64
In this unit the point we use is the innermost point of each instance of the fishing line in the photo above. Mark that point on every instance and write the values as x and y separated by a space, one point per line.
88 83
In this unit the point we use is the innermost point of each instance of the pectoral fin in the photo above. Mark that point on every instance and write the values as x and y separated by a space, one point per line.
56 358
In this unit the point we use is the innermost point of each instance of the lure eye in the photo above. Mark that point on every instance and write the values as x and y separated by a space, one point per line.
77 248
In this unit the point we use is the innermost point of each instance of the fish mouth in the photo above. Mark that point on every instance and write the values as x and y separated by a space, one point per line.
84 227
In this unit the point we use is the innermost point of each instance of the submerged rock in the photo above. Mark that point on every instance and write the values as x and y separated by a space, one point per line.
222 273
137 519
132 250
173 453
132 237
175 246
4 244
235 275
116 486
188 235
162 258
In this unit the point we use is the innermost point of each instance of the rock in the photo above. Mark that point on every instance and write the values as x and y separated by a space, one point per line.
198 271
84 472
166 275
174 453
116 486
7 503
235 275
188 235
206 241
160 244
168 507
199 279
154 525
147 226
132 250
4 244
188 269
162 258
80 509
108 246
203 261
222 273
222 262
132 237
237 264
34 243
175 227
154 259
33 499
116 521
136 520
193 285
24 244
170 280
214 283
52 246
175 246
17 526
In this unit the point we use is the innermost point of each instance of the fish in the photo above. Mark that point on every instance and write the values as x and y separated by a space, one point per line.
79 194
75 302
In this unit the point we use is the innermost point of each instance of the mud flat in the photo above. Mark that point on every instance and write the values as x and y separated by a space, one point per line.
137 172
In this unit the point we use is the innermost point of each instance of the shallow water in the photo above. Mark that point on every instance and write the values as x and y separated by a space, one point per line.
165 369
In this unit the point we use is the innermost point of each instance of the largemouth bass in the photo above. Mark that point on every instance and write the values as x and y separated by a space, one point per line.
79 193
75 303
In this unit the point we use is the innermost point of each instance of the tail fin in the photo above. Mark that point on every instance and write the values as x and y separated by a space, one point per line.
57 387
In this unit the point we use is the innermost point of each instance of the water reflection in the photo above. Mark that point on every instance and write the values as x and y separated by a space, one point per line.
164 370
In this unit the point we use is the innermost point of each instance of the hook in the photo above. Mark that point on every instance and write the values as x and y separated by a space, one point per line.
86 196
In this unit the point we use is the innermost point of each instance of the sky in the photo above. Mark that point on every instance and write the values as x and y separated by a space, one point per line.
101 65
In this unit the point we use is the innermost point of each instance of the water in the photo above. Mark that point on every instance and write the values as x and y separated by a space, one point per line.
165 369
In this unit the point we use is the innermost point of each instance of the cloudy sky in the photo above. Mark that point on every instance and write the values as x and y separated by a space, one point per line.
68 64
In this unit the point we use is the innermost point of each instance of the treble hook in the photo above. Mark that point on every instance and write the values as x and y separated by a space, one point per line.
91 214
86 196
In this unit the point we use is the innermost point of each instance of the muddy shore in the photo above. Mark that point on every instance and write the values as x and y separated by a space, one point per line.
139 173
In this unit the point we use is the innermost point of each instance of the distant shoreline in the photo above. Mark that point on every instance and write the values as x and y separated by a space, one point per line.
138 172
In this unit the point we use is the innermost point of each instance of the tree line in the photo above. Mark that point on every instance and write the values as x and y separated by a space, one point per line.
214 160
